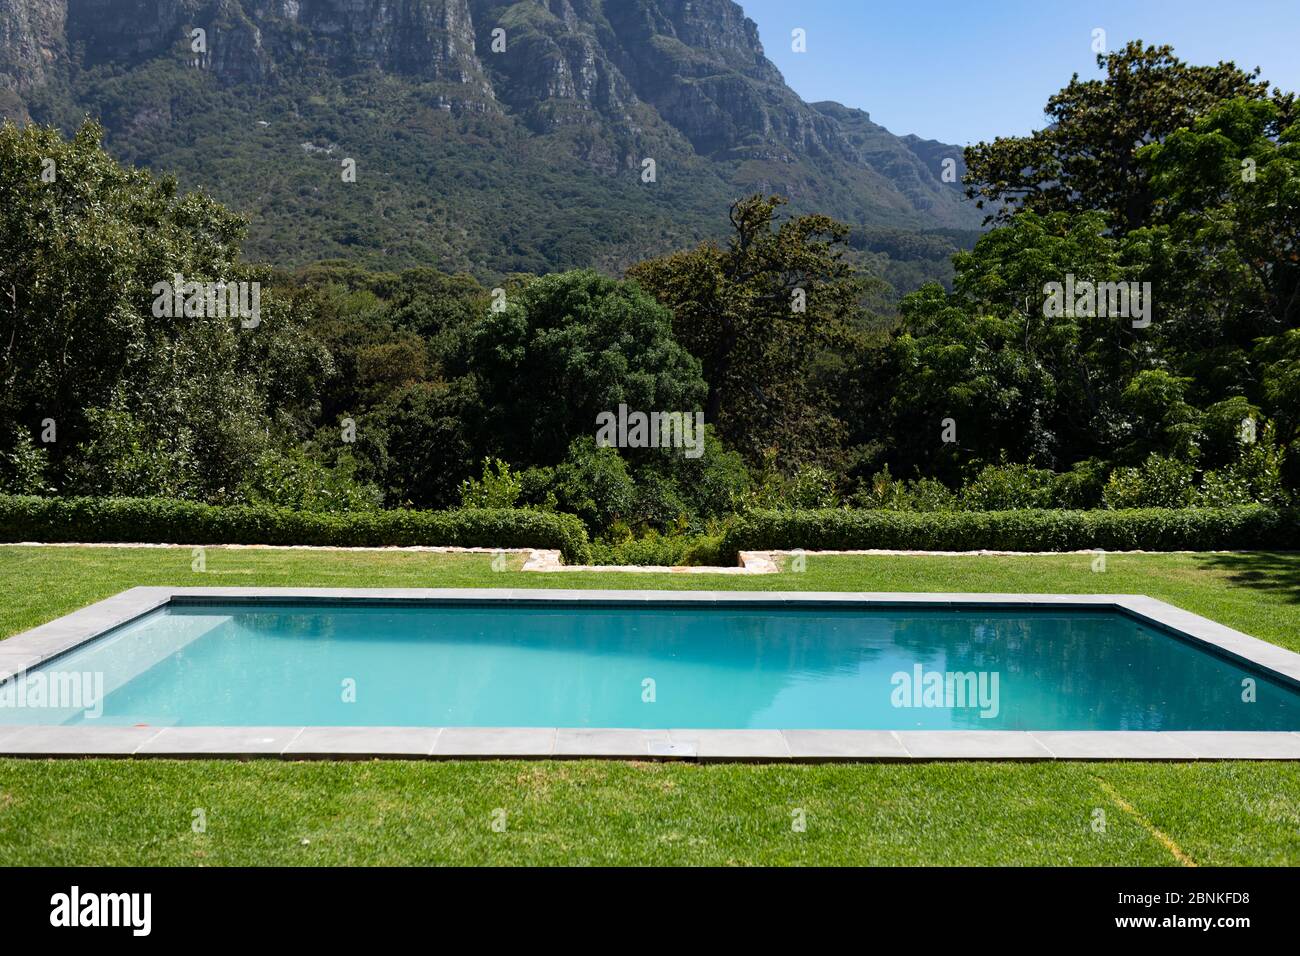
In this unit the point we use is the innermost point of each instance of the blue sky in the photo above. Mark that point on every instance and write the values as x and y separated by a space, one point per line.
962 72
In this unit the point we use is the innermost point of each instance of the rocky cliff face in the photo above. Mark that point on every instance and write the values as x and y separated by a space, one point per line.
32 46
264 40
593 85
697 63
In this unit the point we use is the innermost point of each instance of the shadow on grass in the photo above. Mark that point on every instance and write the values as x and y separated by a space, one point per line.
1276 571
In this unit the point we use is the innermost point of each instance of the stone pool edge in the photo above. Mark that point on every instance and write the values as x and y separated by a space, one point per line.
49 640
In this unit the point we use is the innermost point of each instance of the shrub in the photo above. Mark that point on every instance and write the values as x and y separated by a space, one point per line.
711 486
1151 529
657 549
535 488
886 492
812 487
499 488
1160 483
1005 487
123 457
657 503
1222 430
23 468
1080 487
184 522
293 480
593 483
1256 476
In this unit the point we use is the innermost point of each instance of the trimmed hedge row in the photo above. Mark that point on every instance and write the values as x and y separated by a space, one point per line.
1144 529
159 520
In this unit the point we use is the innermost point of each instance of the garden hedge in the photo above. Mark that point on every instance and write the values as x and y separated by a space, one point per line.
1139 529
154 520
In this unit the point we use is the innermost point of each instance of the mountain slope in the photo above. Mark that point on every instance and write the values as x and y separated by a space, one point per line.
487 136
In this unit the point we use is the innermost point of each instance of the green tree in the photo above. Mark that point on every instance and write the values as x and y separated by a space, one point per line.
82 252
1086 158
1041 385
141 401
566 348
1226 234
756 313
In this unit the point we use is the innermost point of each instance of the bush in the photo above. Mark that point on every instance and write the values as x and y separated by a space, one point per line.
158 520
535 486
656 549
1256 476
657 503
499 488
710 486
593 483
812 487
23 468
886 492
1006 487
1151 529
295 481
1160 483
1080 487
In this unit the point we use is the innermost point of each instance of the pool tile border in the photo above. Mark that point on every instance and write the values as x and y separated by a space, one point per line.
704 746
302 743
219 741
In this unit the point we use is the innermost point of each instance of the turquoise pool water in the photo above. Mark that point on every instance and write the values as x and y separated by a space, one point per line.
657 667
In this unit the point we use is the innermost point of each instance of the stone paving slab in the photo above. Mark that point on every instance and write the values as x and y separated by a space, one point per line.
218 741
495 741
363 742
16 661
972 745
608 742
1239 745
734 744
844 745
613 743
76 741
1113 745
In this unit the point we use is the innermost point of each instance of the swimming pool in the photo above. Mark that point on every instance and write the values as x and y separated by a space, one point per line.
232 658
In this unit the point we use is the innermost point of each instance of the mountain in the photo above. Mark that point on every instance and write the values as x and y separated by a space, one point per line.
486 136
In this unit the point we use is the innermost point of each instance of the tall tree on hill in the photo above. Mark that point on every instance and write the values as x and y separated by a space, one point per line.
1086 158
756 314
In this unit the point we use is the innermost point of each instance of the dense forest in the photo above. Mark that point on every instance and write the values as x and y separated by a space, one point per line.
1126 333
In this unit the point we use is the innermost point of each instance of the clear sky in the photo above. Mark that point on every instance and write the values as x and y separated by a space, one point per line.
966 71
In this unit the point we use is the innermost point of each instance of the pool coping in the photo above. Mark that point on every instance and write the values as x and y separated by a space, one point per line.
57 637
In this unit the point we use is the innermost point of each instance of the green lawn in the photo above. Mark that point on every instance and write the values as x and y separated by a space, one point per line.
271 812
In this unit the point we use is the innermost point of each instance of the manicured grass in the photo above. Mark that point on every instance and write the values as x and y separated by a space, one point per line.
141 812
266 812
1256 593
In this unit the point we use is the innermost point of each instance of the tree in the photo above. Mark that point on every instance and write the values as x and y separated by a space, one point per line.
419 443
1227 217
756 313
1015 376
81 254
1086 157
134 394
566 348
